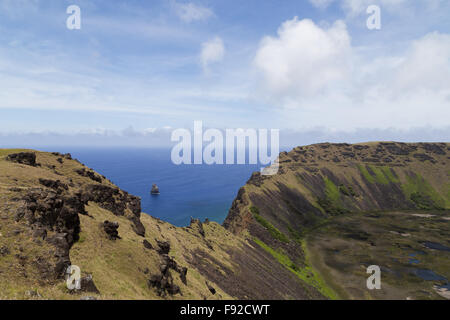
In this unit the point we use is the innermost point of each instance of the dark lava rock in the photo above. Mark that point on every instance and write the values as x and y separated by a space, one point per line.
348 154
88 285
111 229
50 209
47 210
210 288
147 244
137 226
27 158
89 174
433 148
53 184
164 247
40 233
67 156
155 189
4 251
398 149
423 157
118 202
197 224
256 179
359 147
164 284
183 273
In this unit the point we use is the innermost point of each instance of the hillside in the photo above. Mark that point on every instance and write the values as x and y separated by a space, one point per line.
321 201
55 212
305 233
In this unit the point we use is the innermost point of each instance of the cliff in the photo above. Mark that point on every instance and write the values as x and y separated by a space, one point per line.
56 212
318 187
301 234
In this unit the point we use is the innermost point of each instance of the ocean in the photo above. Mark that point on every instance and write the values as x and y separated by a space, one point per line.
199 191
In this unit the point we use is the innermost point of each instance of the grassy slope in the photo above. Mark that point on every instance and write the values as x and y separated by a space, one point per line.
117 266
318 182
280 228
229 263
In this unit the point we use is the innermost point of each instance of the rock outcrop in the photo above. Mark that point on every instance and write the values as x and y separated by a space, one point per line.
27 158
51 211
111 229
119 202
163 281
155 190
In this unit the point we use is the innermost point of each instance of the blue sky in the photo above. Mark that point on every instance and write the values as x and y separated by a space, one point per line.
291 65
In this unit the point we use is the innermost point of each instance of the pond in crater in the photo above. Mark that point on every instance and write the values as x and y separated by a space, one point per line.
435 246
428 275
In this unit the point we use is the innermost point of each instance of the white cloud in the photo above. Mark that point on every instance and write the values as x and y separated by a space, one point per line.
317 77
426 66
304 59
212 51
189 12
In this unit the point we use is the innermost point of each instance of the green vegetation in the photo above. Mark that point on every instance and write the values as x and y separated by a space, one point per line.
424 202
422 193
331 208
366 174
331 191
388 172
254 210
382 175
331 203
347 191
277 234
341 250
294 233
305 273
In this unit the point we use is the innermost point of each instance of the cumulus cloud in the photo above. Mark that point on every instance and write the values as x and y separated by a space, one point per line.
307 68
426 66
212 51
304 59
189 12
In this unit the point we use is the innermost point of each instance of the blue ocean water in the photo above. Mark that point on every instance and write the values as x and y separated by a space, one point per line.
200 191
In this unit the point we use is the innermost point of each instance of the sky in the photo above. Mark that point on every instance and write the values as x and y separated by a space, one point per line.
135 70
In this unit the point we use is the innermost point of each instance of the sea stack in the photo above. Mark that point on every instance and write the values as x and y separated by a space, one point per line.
155 189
